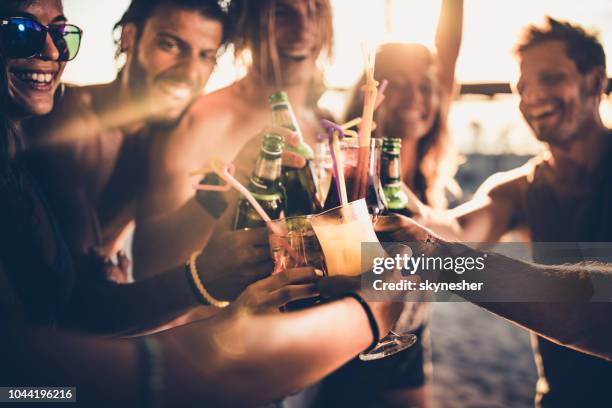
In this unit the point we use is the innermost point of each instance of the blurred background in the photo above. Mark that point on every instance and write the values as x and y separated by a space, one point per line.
479 360
481 125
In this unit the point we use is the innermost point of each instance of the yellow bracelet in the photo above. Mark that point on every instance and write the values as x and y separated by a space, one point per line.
200 286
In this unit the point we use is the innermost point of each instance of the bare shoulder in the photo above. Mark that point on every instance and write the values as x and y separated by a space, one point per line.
219 111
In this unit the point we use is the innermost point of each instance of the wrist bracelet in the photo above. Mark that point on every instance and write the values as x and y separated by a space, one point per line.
152 366
371 320
192 284
197 281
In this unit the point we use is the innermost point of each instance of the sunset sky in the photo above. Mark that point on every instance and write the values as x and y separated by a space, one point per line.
490 29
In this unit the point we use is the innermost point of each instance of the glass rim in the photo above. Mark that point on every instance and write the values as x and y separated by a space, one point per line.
347 205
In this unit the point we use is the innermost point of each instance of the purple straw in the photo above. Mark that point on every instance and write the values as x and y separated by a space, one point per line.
332 127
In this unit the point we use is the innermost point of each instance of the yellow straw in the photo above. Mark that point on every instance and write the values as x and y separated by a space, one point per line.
351 123
370 95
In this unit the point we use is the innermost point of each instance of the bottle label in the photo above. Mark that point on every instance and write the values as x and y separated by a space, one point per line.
268 169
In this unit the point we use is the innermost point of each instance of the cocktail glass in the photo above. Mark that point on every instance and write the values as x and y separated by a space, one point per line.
341 232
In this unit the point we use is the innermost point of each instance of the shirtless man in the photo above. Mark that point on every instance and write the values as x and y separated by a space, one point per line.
90 154
283 53
562 196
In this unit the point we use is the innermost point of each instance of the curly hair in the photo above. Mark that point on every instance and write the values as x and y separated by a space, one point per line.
582 46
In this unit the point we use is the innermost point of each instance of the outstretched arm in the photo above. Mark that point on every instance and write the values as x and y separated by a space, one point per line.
572 321
448 41
236 358
496 208
106 308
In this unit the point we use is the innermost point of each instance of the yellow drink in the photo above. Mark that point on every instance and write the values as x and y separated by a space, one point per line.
341 232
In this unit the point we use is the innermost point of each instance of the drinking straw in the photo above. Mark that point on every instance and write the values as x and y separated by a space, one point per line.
379 100
351 123
350 134
369 97
211 187
365 130
336 132
226 173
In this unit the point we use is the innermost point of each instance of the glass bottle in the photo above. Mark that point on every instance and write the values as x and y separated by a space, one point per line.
390 171
299 184
264 185
375 197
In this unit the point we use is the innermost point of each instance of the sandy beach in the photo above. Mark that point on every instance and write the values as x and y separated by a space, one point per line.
480 360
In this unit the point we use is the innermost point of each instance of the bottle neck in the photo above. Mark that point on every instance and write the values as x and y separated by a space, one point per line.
283 116
267 171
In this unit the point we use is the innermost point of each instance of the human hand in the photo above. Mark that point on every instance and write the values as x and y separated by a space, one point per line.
398 228
278 290
232 260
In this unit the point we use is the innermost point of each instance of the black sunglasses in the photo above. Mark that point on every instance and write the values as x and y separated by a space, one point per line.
23 37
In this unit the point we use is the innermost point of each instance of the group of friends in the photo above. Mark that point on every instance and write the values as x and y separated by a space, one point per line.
81 167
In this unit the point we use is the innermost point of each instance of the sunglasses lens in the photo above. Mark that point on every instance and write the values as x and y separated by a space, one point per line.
67 39
21 38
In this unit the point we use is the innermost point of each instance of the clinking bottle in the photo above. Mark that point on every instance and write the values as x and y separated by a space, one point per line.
300 185
390 168
264 185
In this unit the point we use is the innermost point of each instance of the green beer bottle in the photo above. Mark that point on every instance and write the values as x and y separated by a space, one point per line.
390 169
299 184
264 185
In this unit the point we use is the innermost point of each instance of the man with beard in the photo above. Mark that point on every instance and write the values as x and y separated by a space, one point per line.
563 196
283 40
90 154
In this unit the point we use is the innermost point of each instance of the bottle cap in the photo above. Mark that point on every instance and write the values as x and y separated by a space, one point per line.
392 144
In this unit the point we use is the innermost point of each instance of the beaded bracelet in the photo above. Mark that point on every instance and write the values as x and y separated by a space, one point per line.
371 320
195 276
